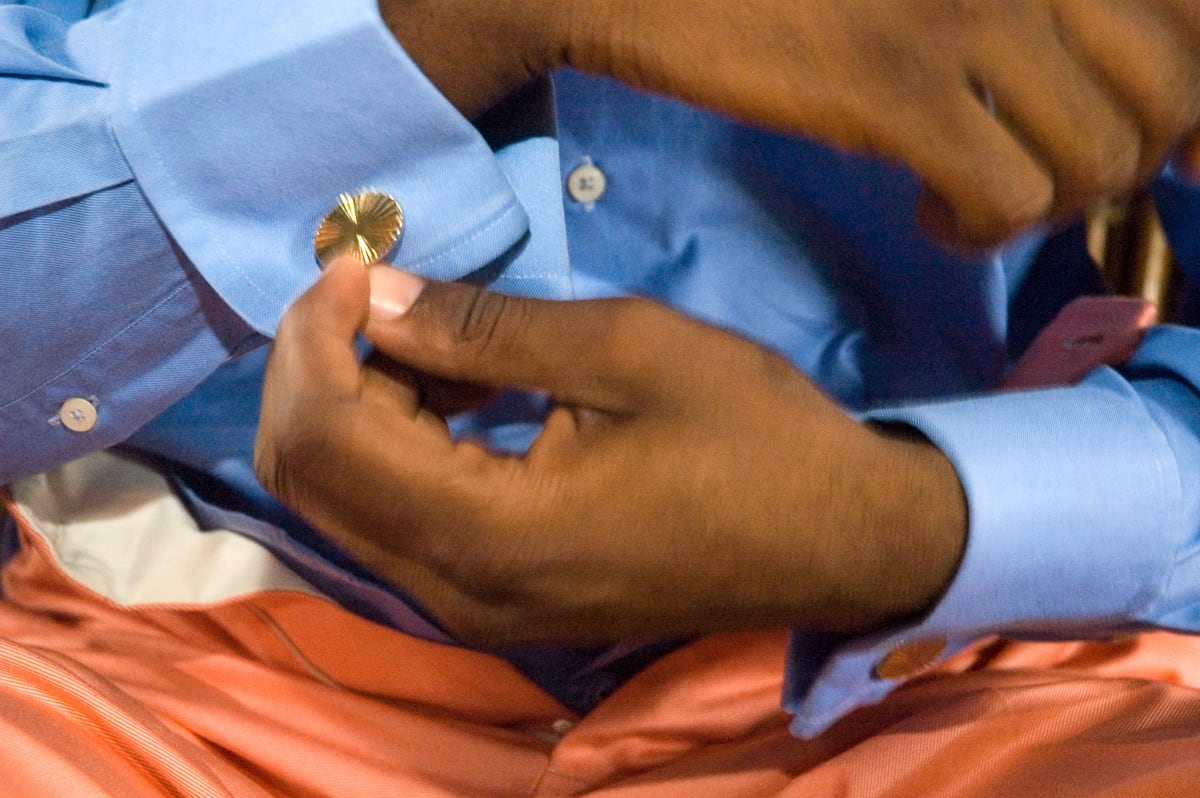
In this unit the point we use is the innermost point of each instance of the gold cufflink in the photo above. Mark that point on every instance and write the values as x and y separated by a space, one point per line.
366 225
910 659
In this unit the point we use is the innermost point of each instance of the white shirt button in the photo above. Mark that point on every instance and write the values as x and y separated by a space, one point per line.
586 183
77 415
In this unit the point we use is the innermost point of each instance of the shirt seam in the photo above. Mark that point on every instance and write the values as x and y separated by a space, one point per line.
96 349
508 208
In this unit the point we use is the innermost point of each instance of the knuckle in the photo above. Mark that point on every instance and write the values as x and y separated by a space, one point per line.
478 316
501 580
484 579
643 342
1104 165
475 550
266 465
477 324
1028 202
1001 218
291 325
638 328
775 368
988 198
485 608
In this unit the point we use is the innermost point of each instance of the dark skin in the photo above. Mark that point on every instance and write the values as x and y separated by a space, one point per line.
688 480
1090 97
661 498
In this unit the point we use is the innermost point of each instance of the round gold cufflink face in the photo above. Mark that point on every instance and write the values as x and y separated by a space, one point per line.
365 225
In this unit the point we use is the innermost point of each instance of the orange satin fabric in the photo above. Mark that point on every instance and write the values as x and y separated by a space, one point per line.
284 694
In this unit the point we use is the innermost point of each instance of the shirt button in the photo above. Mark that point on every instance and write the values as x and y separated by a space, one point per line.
77 415
910 658
586 183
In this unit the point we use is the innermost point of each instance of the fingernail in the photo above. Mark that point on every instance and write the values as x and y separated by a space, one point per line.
393 292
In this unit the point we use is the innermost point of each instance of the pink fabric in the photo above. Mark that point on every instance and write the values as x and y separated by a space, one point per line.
284 694
1088 332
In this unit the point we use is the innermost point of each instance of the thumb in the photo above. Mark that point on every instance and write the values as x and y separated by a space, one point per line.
330 448
591 353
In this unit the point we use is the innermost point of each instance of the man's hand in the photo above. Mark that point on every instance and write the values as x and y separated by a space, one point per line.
1011 111
686 480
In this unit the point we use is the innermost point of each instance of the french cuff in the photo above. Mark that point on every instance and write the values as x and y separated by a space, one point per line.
243 122
1060 485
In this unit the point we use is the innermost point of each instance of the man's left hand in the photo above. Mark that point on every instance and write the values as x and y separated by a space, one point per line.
685 481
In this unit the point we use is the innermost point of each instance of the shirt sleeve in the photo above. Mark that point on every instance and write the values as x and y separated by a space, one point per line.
1084 513
165 166
1084 521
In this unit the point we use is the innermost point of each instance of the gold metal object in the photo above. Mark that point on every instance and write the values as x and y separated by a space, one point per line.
366 225
1129 244
910 659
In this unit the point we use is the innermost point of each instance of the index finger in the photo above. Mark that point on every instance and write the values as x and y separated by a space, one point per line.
603 354
350 463
314 345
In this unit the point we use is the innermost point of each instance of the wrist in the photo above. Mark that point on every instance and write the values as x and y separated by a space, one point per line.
896 520
872 528
477 51
921 523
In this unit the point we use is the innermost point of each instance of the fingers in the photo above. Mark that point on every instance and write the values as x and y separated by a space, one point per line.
392 385
419 395
595 353
1087 99
315 342
312 366
1148 60
347 446
1085 136
357 453
1188 159
977 194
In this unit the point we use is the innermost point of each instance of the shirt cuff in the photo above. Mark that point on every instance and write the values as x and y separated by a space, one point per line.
1055 482
242 123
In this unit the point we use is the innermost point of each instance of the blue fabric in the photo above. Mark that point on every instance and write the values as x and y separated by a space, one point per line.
192 124
169 163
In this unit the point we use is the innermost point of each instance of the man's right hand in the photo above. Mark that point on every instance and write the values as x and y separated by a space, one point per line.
1010 111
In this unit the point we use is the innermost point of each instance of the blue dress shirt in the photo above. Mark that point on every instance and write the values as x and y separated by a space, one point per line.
165 165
